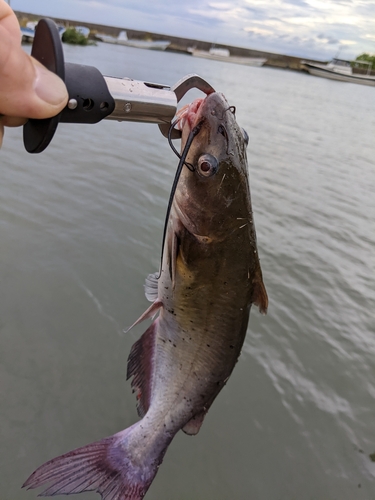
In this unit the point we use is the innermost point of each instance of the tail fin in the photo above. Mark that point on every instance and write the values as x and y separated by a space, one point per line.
104 466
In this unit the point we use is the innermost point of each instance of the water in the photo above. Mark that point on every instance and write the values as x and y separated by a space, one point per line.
81 227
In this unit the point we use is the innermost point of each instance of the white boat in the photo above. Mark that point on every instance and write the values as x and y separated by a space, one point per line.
61 29
32 24
122 39
82 30
27 34
340 69
218 54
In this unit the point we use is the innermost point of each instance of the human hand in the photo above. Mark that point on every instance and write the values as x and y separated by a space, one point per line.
27 88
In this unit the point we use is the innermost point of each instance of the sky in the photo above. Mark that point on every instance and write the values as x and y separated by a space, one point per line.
317 29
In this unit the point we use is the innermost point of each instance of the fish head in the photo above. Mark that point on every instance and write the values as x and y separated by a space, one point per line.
213 191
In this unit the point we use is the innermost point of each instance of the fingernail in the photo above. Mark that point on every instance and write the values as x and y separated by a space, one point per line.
49 87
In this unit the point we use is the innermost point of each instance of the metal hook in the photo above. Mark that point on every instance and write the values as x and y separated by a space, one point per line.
186 83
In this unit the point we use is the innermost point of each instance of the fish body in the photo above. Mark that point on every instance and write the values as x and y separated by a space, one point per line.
209 278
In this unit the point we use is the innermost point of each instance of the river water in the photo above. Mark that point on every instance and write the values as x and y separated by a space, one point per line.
81 227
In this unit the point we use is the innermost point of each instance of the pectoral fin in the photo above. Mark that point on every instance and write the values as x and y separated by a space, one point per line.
149 313
151 287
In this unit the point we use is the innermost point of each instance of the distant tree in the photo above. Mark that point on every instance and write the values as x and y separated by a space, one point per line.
71 35
367 58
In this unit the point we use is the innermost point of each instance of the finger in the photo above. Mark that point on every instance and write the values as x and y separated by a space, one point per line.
13 121
1 133
9 21
27 88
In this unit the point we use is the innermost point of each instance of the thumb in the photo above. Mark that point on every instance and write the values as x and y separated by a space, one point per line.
51 95
30 90
27 88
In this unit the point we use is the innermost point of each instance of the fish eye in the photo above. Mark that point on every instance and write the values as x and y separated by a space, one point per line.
245 136
207 165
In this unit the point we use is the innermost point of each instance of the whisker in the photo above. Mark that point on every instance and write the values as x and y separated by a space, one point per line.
182 162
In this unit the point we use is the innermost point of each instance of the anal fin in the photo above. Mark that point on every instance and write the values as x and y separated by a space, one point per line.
140 367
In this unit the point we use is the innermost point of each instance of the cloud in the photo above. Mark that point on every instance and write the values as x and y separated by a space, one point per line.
306 28
347 42
220 6
258 31
328 39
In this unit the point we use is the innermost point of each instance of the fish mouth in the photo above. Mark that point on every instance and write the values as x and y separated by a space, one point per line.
214 106
188 114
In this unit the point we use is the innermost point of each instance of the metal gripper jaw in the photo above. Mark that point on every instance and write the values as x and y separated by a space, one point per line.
94 97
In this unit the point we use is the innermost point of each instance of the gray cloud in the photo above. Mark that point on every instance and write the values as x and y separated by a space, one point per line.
299 3
293 27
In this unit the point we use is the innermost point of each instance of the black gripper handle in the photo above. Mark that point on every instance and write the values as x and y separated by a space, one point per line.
89 98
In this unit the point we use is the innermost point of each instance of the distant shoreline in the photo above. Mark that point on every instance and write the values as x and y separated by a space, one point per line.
179 44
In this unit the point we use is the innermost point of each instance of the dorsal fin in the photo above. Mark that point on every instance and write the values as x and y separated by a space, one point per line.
259 295
140 367
194 424
151 287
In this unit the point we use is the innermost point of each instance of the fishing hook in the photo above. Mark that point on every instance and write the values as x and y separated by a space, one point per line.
182 162
189 165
